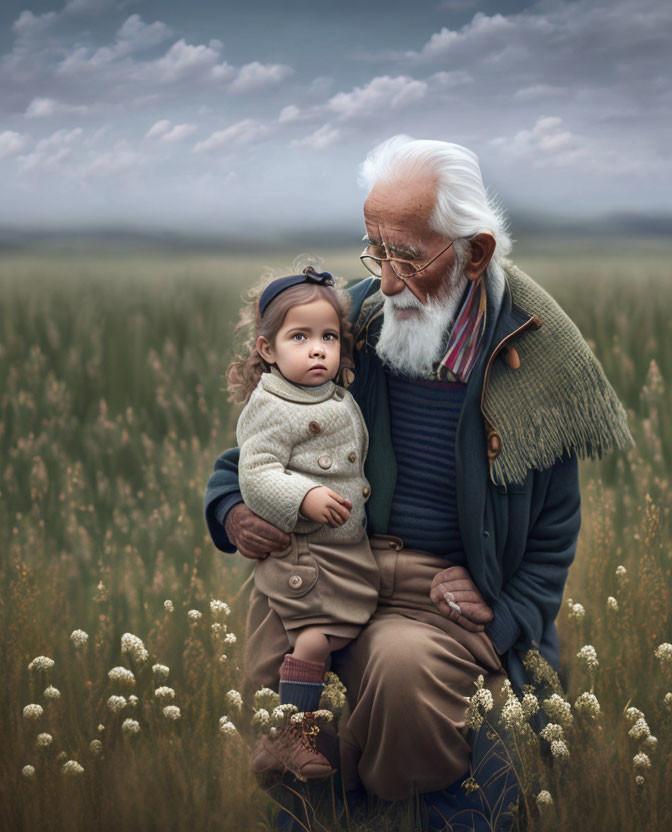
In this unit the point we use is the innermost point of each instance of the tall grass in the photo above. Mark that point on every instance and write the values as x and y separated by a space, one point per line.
112 412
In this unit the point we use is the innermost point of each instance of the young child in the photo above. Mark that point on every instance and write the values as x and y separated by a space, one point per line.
303 443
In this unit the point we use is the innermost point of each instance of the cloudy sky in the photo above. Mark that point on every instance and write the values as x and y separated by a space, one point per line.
251 114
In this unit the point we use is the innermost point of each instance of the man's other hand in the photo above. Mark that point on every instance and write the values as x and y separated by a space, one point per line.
456 596
253 537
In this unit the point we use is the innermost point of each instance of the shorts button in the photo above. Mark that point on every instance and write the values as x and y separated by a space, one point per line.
352 456
314 428
295 582
324 461
366 491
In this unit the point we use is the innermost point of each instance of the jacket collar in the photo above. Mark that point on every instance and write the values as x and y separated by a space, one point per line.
275 383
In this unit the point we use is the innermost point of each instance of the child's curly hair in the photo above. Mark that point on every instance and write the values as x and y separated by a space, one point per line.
244 372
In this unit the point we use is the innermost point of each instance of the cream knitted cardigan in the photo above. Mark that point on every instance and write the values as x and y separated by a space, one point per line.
293 439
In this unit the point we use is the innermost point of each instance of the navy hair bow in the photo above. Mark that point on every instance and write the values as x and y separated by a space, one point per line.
309 275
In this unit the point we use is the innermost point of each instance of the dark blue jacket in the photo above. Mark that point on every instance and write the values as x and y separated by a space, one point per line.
519 540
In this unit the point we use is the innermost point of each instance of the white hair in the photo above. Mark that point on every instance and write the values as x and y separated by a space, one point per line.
463 207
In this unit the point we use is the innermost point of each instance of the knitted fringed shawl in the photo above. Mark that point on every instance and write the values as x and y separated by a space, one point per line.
559 399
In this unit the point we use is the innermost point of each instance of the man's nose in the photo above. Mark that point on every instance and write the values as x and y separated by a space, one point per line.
390 284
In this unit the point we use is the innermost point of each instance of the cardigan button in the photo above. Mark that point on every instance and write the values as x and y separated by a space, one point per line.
366 491
494 445
314 428
295 581
352 456
324 461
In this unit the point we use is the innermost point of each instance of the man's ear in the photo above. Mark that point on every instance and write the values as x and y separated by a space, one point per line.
265 350
482 247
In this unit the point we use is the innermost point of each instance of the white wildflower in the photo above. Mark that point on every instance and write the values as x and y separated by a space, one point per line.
640 730
96 747
639 780
559 750
33 711
297 718
530 705
79 638
612 604
121 674
218 629
261 718
480 704
223 659
577 612
552 732
323 713
195 615
116 703
266 698
172 712
281 712
587 705
621 575
544 799
228 729
230 638
28 772
130 727
168 605
234 699
667 700
588 656
101 728
633 714
512 715
219 608
44 740
72 768
664 653
134 647
641 761
61 757
43 663
164 693
558 710
160 672
651 743
51 692
133 700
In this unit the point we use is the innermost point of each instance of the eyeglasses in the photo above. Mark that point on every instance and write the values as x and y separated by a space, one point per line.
403 269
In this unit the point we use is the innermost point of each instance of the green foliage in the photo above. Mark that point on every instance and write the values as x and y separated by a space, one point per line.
112 411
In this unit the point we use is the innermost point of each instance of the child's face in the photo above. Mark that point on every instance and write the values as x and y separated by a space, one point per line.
307 348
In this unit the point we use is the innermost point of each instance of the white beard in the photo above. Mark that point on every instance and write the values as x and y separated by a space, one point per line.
414 345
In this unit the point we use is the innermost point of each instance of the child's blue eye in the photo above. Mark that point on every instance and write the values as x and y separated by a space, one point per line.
330 336
298 336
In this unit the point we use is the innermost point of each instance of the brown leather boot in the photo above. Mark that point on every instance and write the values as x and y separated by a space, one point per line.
292 749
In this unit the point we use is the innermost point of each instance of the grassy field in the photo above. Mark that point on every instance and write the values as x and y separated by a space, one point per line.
112 413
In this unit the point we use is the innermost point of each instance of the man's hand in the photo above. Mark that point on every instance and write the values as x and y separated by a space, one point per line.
253 537
457 597
323 505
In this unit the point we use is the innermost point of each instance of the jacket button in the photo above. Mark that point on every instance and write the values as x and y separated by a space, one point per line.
295 581
512 358
352 456
494 445
337 395
324 461
366 491
314 428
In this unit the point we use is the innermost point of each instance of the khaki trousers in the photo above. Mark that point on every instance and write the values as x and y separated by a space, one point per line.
408 674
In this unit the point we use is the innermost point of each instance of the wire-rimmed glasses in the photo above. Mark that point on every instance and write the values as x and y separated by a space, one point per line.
374 255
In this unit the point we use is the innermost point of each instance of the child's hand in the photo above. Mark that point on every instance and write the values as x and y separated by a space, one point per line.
323 505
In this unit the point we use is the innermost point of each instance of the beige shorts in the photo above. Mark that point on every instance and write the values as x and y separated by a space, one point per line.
333 586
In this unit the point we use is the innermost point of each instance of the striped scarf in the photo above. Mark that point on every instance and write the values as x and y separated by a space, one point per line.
465 337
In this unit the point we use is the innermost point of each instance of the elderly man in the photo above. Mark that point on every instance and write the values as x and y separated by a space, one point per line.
479 395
